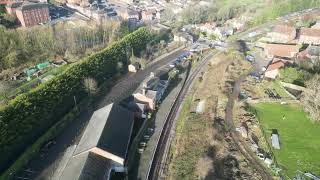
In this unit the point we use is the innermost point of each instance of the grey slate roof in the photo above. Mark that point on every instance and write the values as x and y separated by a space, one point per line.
86 166
108 129
314 51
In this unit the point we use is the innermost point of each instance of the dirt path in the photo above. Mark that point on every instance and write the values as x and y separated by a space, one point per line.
241 145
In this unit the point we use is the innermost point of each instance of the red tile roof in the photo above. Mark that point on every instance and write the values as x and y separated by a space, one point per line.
276 65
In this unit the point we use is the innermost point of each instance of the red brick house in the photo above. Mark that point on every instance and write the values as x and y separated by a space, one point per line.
30 14
282 33
309 36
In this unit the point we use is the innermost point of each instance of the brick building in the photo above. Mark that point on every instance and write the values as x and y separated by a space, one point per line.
30 13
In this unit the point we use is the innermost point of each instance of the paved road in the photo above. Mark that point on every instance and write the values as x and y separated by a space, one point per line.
43 166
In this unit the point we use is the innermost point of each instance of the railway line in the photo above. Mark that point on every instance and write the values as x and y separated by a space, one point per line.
156 165
165 134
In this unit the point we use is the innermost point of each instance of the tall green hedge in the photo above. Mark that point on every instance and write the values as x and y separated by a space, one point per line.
29 115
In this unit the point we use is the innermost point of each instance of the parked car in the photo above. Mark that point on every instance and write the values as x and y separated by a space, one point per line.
250 58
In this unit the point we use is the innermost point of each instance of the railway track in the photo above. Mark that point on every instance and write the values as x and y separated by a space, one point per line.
165 134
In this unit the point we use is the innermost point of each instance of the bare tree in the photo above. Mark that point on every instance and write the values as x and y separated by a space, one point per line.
311 98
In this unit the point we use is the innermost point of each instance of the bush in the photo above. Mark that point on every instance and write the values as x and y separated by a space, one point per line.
29 115
294 76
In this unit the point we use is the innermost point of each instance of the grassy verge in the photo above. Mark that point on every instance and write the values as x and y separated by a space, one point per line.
33 150
279 89
299 137
189 144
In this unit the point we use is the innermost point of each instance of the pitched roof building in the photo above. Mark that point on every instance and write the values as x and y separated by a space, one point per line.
272 71
103 146
280 50
30 13
309 36
282 34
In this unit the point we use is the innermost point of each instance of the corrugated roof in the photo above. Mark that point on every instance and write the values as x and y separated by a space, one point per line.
108 129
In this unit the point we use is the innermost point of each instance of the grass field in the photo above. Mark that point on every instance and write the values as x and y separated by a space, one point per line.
299 137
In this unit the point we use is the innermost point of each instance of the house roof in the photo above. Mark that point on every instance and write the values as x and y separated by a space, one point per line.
314 50
283 29
275 141
316 26
108 129
86 166
285 61
27 5
282 50
14 4
151 94
310 32
276 65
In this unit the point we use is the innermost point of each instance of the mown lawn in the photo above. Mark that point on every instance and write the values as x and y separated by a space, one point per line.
299 137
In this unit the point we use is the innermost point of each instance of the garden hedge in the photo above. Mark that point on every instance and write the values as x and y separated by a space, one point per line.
31 114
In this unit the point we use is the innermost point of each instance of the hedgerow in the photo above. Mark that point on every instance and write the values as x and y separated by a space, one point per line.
29 115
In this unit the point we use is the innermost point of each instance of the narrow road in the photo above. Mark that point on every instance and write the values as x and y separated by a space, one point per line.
241 145
44 165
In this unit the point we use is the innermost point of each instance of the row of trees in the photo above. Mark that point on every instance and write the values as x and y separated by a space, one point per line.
221 10
29 115
23 47
216 10
311 98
